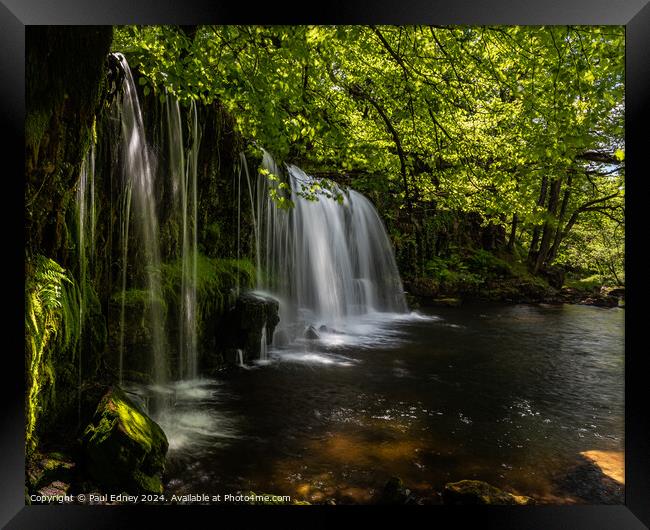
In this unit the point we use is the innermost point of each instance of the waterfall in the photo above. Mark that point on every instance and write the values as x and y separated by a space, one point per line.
184 176
254 214
138 185
328 261
85 240
240 358
264 354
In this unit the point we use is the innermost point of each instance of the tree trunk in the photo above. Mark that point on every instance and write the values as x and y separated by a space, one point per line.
532 251
513 233
558 232
549 226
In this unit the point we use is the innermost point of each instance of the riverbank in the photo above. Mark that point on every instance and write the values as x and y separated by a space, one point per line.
474 275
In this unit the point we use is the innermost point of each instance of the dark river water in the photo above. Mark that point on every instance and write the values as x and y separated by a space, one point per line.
508 394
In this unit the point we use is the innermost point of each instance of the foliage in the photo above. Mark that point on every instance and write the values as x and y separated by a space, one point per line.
597 249
452 274
51 324
516 123
487 264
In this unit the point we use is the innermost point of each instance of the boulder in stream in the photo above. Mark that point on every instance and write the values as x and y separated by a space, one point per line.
244 325
468 492
311 333
124 449
395 492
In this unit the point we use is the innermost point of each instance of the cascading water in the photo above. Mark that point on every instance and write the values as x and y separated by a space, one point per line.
264 353
183 173
138 186
85 239
240 358
326 261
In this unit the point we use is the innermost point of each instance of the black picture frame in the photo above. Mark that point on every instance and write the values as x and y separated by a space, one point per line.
634 14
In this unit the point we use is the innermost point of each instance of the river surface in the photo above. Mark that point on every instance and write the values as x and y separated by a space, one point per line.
508 394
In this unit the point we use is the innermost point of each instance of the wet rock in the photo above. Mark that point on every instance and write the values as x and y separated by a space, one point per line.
588 482
617 292
281 338
603 297
469 492
446 302
242 326
55 489
49 468
395 492
138 332
124 449
311 333
325 329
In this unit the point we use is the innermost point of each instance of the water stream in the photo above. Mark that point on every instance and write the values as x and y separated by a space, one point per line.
329 262
509 394
183 172
139 201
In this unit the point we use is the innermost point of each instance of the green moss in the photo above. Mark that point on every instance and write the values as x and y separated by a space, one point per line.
125 449
452 274
585 284
469 492
45 469
489 265
36 124
216 280
138 298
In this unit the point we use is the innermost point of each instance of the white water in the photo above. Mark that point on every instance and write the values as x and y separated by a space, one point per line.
264 354
139 198
329 263
85 241
240 358
194 422
184 178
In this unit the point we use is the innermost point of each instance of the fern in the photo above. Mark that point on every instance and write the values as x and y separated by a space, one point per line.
51 323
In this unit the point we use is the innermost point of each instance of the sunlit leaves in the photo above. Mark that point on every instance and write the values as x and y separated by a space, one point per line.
481 113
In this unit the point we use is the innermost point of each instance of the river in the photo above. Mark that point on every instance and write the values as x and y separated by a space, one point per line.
508 394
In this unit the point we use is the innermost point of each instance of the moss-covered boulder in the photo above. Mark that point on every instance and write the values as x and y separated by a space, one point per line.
468 492
124 448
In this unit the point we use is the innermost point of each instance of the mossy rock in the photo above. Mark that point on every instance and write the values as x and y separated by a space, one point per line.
48 468
55 489
469 492
446 302
124 448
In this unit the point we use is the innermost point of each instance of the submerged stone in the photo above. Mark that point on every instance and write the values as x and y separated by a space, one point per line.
468 492
311 333
124 448
395 492
55 489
